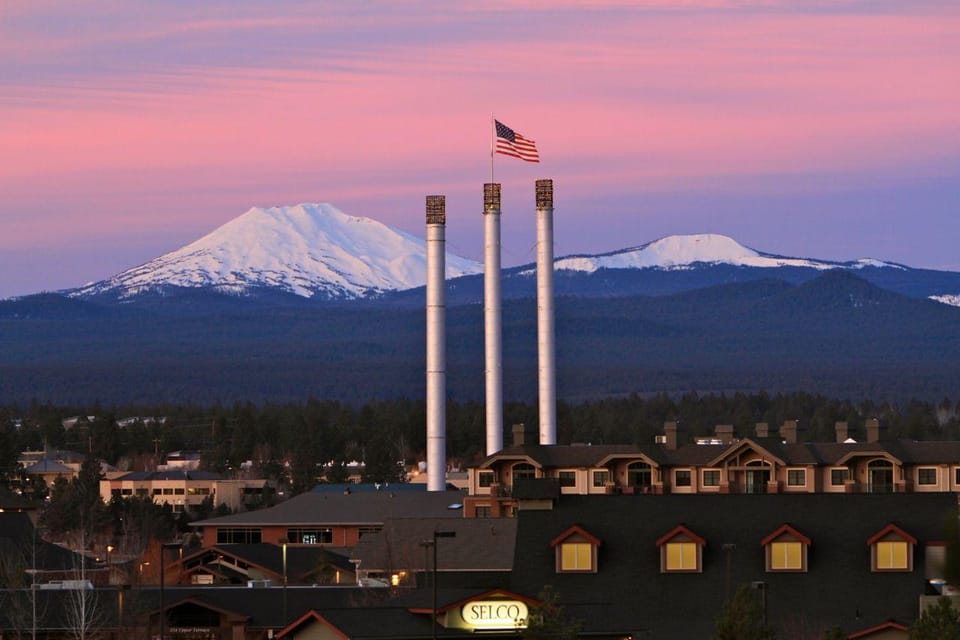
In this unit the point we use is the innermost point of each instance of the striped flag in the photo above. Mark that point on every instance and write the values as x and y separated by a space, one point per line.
510 143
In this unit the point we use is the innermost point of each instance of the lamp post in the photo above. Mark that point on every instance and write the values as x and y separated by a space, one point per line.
110 549
283 543
433 543
163 613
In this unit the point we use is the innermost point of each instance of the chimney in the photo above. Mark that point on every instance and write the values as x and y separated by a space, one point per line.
763 430
492 317
436 345
874 431
789 431
842 431
519 435
724 433
546 351
672 433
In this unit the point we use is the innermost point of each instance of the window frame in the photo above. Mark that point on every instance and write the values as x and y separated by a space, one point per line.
923 471
687 474
703 478
792 472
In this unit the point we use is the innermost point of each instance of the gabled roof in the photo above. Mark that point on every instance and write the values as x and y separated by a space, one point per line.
891 528
302 560
200 602
680 530
890 625
310 616
573 456
770 450
576 529
785 528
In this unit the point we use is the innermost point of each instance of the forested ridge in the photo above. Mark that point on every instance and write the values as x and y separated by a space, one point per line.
837 335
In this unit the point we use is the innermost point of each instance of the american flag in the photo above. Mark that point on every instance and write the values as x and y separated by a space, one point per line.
510 143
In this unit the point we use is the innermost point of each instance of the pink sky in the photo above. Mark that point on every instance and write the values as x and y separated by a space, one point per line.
820 129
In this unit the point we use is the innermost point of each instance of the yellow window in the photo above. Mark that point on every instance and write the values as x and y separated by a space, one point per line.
681 556
576 556
786 556
892 555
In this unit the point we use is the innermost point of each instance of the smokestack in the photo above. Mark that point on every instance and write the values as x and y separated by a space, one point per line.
492 317
546 350
436 345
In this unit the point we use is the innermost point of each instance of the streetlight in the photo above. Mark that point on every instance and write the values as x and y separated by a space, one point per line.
283 543
110 549
163 613
433 543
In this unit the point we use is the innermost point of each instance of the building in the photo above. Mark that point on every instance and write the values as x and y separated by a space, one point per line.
184 490
335 518
758 464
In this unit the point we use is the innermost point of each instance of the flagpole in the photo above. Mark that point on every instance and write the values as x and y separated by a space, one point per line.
493 133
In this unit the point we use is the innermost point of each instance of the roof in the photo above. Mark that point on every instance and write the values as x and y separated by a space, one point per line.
340 487
302 560
536 488
363 508
629 592
173 474
480 544
786 528
576 530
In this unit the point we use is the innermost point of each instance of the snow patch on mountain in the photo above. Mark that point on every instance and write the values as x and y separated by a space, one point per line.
684 251
951 299
307 249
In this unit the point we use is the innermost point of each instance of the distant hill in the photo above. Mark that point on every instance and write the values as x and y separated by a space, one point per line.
836 334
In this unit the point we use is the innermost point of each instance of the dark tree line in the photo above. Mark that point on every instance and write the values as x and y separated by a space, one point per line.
274 440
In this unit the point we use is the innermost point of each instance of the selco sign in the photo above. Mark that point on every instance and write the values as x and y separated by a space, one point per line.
495 614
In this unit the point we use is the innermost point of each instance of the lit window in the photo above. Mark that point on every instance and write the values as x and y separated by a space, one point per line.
576 556
786 556
796 477
927 476
892 555
681 556
711 478
680 551
891 549
576 551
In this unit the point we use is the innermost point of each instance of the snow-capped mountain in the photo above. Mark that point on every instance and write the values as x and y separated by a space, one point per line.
682 252
308 250
951 299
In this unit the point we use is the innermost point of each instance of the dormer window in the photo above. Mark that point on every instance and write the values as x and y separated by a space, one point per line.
681 551
576 551
786 550
891 549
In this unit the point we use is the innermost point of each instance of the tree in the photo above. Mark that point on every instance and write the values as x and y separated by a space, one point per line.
548 620
742 618
938 622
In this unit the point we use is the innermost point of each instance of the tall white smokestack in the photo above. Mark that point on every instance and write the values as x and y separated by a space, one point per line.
436 345
492 317
546 348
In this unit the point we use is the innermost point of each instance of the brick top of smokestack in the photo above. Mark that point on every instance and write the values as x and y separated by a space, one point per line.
491 195
436 210
545 194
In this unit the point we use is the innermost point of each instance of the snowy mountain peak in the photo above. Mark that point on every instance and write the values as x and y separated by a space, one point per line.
684 251
306 249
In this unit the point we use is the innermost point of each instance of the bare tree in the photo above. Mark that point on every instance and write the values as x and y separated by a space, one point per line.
19 598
